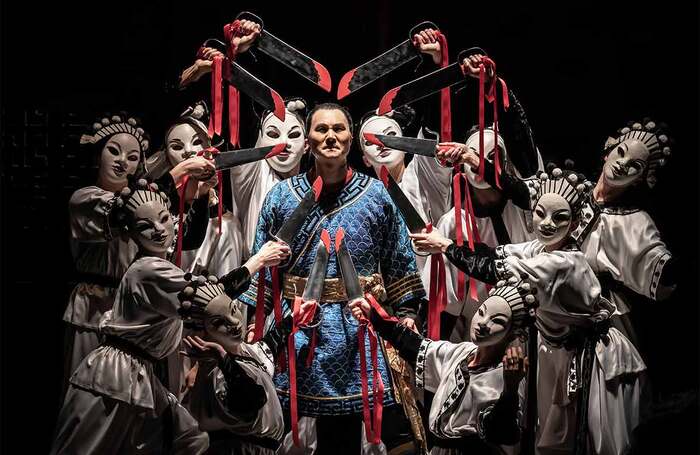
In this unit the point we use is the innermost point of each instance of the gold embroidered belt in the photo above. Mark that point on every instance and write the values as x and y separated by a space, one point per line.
334 288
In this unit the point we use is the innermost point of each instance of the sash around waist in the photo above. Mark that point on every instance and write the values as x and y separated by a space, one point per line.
334 288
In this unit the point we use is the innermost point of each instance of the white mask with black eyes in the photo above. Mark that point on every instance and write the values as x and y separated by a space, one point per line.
153 228
625 163
472 144
291 131
372 155
183 141
224 321
120 157
492 322
552 218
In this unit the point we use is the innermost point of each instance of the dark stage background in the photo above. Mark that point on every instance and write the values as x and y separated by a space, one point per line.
581 71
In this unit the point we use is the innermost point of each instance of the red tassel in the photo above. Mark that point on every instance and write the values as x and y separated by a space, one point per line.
472 234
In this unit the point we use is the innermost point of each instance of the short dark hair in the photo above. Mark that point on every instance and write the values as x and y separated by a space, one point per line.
329 107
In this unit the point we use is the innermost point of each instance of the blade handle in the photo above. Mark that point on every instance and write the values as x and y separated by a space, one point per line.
216 44
247 15
469 52
420 27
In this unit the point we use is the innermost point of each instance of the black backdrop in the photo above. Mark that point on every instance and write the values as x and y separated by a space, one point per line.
581 71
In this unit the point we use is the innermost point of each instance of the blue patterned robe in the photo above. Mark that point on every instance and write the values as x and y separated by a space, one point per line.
378 241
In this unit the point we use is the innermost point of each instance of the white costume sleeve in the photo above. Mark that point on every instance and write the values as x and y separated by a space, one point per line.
436 359
428 186
89 214
157 282
629 247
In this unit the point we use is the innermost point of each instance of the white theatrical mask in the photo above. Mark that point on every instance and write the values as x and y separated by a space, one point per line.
552 218
373 155
153 228
224 322
492 322
472 145
183 141
120 157
291 131
625 163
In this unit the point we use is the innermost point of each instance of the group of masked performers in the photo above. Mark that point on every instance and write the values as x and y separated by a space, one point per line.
289 303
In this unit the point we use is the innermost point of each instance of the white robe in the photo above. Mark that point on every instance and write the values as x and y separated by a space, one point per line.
250 183
98 251
219 253
116 403
461 394
208 398
628 245
569 296
428 186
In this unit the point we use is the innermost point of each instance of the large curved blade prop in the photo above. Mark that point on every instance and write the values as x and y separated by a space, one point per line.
237 76
288 56
413 220
399 55
415 146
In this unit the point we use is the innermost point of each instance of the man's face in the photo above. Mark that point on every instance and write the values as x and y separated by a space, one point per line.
329 135
625 163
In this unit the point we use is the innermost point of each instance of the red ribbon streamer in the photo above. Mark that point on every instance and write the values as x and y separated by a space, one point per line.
492 97
437 297
217 99
445 103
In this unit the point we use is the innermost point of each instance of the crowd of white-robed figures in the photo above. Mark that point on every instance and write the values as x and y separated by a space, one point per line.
562 233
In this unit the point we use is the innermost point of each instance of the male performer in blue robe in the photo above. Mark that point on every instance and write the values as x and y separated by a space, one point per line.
378 242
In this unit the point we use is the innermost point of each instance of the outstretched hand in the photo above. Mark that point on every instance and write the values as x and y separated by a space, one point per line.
515 366
427 43
430 242
199 349
360 308
248 31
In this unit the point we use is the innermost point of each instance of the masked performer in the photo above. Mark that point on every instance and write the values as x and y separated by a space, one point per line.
619 239
499 221
477 396
187 138
590 379
115 403
330 388
251 182
234 398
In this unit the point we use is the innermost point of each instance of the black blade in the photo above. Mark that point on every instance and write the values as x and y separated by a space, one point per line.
421 87
291 225
347 268
255 88
379 66
425 147
314 284
357 78
411 217
290 57
227 160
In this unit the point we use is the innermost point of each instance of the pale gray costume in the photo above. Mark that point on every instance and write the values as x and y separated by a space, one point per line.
569 299
101 258
232 433
115 403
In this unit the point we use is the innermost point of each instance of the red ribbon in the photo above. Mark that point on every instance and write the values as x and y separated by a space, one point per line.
437 297
472 235
299 319
459 232
445 104
217 98
492 97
